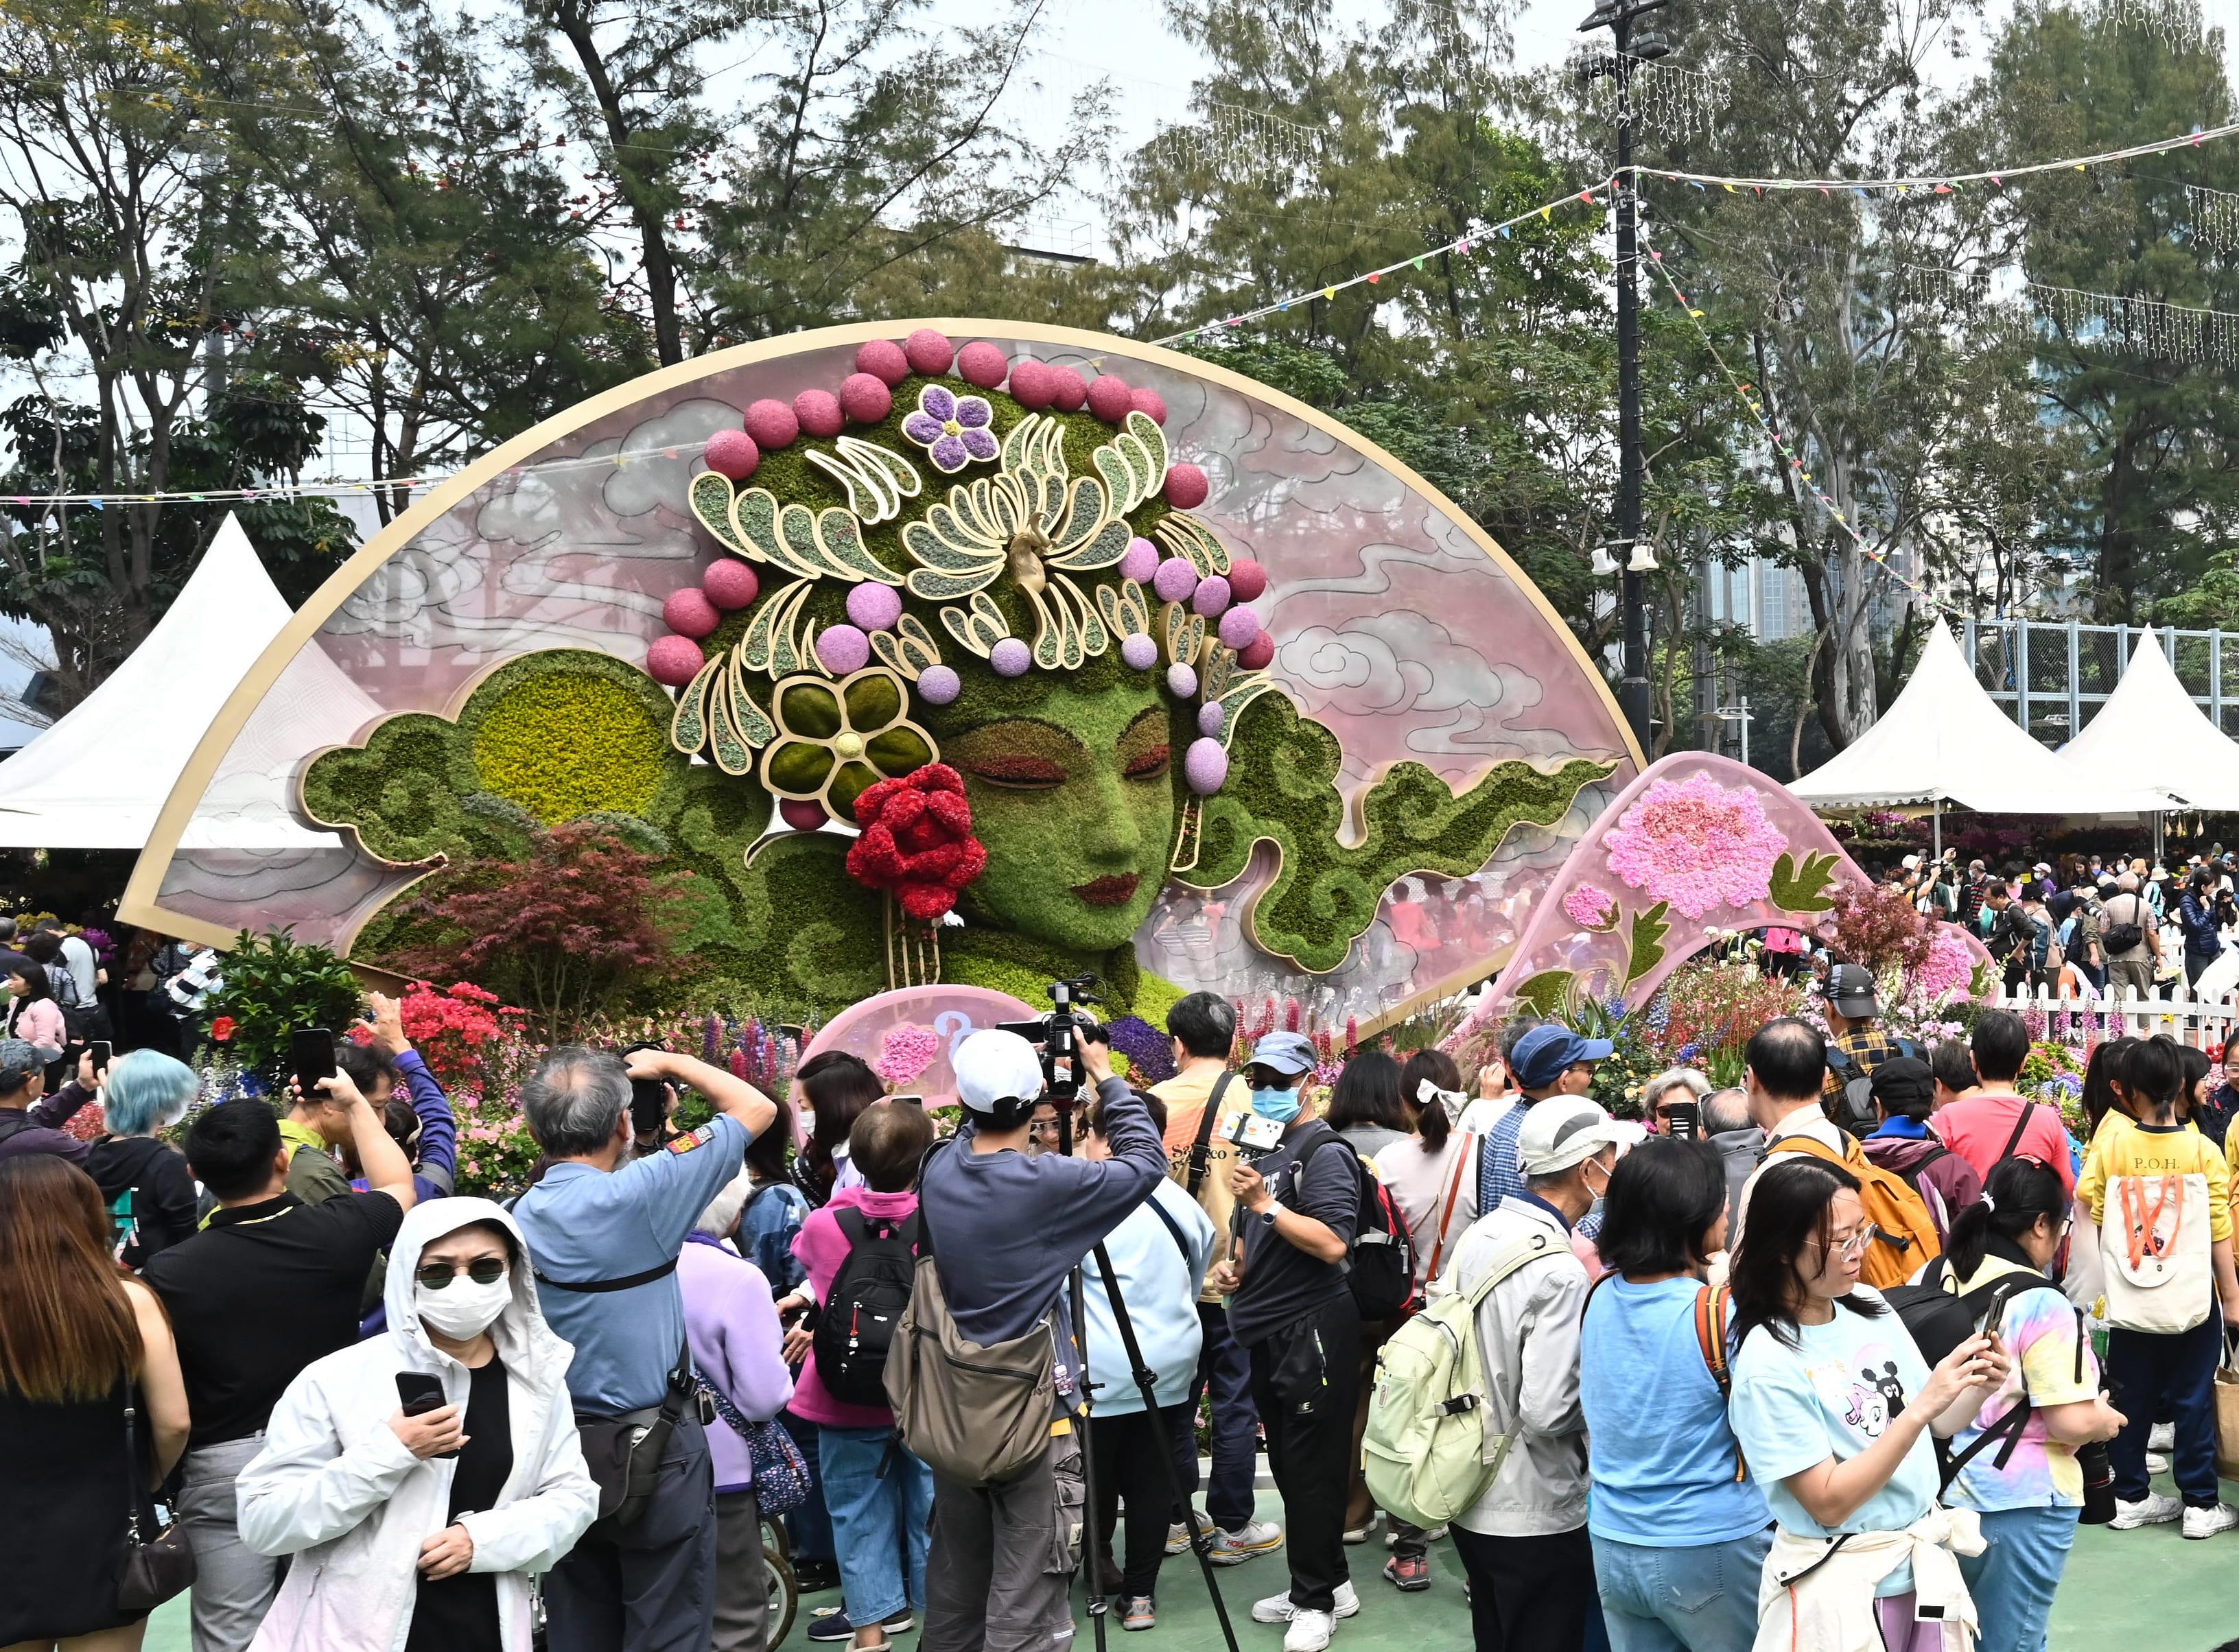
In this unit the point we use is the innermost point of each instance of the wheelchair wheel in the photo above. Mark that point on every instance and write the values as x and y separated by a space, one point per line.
784 1591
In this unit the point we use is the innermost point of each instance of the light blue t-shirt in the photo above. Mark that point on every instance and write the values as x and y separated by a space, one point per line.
584 1225
1833 1397
1662 1456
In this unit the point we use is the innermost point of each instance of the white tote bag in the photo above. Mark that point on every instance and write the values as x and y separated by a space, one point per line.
2154 1244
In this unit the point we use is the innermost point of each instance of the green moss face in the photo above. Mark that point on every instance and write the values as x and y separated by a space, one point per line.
1074 796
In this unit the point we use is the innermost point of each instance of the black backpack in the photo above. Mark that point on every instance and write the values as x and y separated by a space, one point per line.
1939 1320
856 1324
1855 1111
1380 1266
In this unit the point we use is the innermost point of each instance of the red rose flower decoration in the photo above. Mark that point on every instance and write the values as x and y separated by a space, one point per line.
221 1029
917 843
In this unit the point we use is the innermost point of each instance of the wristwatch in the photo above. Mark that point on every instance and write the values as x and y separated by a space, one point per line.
1268 1215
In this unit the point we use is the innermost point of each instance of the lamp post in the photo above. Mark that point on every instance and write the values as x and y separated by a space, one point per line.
1618 17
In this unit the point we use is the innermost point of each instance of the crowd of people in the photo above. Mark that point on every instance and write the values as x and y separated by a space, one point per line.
386 1416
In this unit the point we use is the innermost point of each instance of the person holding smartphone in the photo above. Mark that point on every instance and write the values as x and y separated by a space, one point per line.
315 1123
423 1476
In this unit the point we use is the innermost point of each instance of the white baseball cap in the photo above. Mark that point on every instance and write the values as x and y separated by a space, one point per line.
992 1066
1563 1131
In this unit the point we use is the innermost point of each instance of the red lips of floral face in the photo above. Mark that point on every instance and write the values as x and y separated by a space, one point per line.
1114 891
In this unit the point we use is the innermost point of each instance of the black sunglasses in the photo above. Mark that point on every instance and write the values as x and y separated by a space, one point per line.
483 1271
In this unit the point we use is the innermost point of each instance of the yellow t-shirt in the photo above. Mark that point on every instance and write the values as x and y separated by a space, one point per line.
1185 1095
2124 1147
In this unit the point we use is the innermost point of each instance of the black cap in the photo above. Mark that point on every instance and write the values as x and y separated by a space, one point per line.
1904 1085
1850 990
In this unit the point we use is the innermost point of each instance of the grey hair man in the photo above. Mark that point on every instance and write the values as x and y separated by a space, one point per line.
1727 1127
2131 970
604 1231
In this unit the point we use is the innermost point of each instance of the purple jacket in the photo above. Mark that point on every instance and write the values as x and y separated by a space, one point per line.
730 1319
1951 1178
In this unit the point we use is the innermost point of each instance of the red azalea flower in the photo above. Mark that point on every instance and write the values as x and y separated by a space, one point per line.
221 1029
917 843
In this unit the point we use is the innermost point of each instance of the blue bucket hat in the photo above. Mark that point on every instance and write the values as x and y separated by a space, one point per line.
1543 1054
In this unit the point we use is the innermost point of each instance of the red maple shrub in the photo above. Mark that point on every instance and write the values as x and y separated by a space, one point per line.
1875 925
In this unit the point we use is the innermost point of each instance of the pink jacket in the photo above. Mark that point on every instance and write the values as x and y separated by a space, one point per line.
820 1247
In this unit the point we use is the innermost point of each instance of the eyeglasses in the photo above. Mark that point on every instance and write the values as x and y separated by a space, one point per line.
483 1271
1854 1246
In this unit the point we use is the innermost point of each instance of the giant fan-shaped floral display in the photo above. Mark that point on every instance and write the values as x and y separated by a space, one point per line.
1698 845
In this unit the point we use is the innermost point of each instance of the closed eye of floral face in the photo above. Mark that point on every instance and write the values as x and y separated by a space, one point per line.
1076 806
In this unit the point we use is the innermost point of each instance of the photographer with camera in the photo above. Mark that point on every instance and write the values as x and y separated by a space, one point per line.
1004 1228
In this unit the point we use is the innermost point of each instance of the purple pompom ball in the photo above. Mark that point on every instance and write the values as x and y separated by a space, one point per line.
1247 579
1239 628
1139 652
874 606
1181 679
1259 653
802 815
732 454
674 661
1211 597
1205 768
1212 717
938 685
1186 486
1140 562
1174 581
842 649
1010 658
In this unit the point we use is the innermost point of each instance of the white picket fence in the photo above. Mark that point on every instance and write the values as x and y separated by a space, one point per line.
2203 1023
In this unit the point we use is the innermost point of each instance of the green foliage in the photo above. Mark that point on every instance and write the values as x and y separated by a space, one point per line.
269 987
1802 889
1546 994
1645 935
1282 788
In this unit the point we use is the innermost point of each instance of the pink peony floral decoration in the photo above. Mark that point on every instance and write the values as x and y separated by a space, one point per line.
1948 968
1696 844
905 1053
1589 907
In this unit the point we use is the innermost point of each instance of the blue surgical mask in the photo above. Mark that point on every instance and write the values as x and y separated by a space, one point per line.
1281 1105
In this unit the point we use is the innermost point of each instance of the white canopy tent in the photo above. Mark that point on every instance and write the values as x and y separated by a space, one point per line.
97 779
1944 740
2151 732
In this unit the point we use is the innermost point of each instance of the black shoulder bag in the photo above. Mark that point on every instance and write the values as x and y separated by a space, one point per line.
1200 1153
158 1563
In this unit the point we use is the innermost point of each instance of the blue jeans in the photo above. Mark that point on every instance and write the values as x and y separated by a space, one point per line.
2013 1580
809 1527
1224 1366
881 1503
1681 1599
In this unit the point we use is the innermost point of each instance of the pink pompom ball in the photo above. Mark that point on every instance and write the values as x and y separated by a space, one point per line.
730 584
1239 628
938 685
732 454
884 360
874 606
1186 486
1174 581
674 661
981 363
802 815
864 398
819 413
1149 403
1140 562
1259 653
842 648
1247 579
1110 400
1032 385
1181 679
1205 768
928 350
1212 717
774 425
1211 597
1010 658
1067 389
689 613
1139 652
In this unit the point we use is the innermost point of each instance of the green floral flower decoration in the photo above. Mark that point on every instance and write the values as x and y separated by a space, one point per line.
835 741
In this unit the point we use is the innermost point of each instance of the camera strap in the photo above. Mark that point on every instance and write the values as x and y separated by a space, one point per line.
1200 1153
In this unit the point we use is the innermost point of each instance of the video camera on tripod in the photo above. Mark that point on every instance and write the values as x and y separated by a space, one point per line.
1058 1036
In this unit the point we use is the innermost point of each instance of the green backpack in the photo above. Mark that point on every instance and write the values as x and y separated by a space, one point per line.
1426 1455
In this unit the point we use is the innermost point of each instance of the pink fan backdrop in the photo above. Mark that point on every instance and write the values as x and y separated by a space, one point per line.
951 1013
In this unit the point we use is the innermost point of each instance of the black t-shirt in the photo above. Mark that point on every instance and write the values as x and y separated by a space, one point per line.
1282 1283
259 1294
459 1613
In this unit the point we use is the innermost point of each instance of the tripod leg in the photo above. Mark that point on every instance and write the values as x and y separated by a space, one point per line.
1200 1541
1091 1559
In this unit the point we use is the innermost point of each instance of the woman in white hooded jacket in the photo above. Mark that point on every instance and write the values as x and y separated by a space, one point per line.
388 1535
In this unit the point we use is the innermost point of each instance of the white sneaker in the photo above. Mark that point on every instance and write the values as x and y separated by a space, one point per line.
1178 1534
2206 1522
2157 1463
2161 1437
2152 1509
1277 1609
1309 1632
1234 1548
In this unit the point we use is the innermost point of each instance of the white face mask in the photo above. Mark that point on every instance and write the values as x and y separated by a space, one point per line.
463 1309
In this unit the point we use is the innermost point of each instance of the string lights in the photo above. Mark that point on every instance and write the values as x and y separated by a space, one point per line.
1232 140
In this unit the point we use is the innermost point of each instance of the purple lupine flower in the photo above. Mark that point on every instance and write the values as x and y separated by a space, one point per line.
953 429
1150 1053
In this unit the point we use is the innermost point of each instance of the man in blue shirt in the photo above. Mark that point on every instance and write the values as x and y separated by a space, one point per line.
1550 1060
604 1231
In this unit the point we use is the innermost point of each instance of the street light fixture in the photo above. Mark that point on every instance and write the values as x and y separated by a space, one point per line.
1618 17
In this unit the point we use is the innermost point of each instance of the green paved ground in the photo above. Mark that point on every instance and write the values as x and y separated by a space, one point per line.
2184 1595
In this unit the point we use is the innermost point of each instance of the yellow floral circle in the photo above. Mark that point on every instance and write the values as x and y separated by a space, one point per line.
563 746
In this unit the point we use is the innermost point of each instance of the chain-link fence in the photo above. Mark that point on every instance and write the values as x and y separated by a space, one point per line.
2052 678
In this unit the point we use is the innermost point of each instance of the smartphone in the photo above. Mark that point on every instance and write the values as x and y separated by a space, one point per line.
648 1098
311 1058
1682 1120
98 1049
419 1393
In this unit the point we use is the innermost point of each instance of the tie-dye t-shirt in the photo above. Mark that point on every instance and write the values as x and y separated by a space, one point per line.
2039 1327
